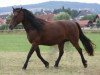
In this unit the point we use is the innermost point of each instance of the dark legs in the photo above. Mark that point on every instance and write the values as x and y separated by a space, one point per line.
82 57
61 51
81 54
28 57
41 58
38 54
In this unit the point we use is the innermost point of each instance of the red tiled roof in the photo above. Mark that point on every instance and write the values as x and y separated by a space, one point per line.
47 17
1 21
83 23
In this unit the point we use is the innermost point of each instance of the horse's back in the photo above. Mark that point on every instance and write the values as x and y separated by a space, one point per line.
69 27
59 31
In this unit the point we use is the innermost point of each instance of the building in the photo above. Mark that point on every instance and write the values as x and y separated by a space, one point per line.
84 23
83 13
96 17
2 21
47 17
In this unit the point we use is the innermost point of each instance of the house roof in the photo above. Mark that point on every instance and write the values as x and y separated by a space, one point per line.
1 21
83 23
97 16
3 16
47 17
84 12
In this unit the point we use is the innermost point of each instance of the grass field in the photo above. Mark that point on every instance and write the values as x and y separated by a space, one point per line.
15 46
18 42
11 64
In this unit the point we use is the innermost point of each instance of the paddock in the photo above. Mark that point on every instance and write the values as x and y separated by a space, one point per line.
11 64
13 55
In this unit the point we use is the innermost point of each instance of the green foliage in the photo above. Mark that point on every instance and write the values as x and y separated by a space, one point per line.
89 17
71 12
4 27
62 16
74 13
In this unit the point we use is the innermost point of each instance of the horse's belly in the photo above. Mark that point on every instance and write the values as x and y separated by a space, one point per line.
49 43
52 42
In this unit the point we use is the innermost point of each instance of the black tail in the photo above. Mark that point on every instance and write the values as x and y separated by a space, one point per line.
87 43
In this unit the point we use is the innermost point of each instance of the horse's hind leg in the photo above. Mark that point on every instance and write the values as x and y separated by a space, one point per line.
76 45
41 58
61 51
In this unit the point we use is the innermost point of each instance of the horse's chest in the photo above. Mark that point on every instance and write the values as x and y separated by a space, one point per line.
33 37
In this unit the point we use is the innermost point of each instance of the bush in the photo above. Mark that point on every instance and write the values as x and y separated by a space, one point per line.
89 17
4 27
62 16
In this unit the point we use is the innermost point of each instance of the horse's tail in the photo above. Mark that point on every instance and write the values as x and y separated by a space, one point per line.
87 43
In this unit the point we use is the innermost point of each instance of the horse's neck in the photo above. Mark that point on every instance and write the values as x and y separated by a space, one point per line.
27 26
36 24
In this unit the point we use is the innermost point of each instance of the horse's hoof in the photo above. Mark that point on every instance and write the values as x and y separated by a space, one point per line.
24 68
85 64
47 65
56 66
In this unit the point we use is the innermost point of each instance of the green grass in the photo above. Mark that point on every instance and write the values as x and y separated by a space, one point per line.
95 38
19 42
15 42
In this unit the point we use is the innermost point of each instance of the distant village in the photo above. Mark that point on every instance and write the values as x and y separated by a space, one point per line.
84 17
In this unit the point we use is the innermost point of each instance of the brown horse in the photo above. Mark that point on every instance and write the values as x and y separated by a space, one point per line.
41 32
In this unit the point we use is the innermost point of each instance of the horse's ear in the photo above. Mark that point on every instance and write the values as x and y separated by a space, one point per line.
13 8
21 8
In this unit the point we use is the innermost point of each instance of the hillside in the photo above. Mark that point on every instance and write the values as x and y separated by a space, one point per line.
57 4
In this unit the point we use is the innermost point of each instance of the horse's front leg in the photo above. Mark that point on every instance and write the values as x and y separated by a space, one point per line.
28 56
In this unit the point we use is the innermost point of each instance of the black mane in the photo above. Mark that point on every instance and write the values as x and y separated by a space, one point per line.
36 23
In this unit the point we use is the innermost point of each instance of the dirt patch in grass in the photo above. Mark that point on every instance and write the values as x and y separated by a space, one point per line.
11 64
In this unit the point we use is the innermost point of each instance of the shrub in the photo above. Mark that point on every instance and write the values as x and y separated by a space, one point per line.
62 16
4 27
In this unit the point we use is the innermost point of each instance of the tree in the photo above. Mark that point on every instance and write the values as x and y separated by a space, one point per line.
72 13
89 17
62 16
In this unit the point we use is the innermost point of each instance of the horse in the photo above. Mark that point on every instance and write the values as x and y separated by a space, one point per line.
49 33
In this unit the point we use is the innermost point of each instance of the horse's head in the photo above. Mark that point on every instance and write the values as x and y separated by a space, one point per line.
18 17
